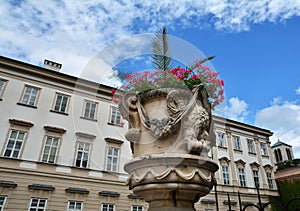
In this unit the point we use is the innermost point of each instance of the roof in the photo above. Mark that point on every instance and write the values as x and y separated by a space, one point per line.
279 143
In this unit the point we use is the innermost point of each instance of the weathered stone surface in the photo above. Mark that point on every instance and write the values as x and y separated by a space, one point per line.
171 135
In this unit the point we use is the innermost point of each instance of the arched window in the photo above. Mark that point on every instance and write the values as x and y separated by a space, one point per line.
279 155
288 153
276 156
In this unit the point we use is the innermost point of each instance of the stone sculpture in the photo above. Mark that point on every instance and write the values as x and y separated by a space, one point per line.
171 135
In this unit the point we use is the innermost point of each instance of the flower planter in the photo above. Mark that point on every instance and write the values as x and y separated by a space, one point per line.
171 135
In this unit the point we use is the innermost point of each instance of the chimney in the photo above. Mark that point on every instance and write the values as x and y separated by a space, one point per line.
51 65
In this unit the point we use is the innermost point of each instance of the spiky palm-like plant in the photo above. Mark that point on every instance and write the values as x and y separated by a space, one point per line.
161 54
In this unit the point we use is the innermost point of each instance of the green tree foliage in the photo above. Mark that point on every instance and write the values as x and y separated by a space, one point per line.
287 192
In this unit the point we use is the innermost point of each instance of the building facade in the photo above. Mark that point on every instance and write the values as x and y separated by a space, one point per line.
62 147
287 167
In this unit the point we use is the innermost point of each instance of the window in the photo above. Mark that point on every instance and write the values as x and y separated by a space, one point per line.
225 173
90 110
242 179
2 82
2 199
221 138
37 204
75 206
50 149
61 103
288 153
82 157
278 155
14 143
107 207
2 86
263 148
30 95
137 208
112 159
236 142
115 117
256 178
270 180
250 146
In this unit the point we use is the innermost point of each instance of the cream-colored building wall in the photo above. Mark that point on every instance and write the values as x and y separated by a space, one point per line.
72 123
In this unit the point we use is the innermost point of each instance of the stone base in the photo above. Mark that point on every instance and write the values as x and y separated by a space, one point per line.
171 196
171 181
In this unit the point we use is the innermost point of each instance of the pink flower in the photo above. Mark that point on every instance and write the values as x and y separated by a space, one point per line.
113 91
195 76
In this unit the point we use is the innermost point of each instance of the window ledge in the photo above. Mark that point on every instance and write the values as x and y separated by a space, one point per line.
82 168
91 119
113 140
118 125
77 190
55 129
59 112
26 105
20 122
8 184
109 193
238 150
251 153
265 156
208 201
41 187
134 196
232 202
222 147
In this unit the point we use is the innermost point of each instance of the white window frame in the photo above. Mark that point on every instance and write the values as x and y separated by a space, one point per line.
112 160
2 202
263 147
81 152
58 107
14 140
90 109
51 147
221 139
237 143
30 95
107 207
115 116
225 175
137 208
242 177
256 178
75 204
37 207
270 180
251 148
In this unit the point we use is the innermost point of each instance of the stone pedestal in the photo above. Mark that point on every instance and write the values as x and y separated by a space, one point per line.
171 181
170 137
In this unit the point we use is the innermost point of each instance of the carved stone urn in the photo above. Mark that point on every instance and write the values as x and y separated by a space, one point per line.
171 134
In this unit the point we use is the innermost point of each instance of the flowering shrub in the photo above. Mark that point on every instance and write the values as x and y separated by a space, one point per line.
176 78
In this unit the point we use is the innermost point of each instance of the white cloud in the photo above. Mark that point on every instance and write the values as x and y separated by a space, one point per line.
236 110
282 118
71 32
298 91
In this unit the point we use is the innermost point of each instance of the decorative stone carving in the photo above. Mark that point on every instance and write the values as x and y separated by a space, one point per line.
171 135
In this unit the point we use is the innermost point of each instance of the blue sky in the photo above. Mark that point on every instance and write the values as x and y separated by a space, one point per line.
256 44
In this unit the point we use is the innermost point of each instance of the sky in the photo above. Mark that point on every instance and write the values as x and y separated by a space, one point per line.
256 44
